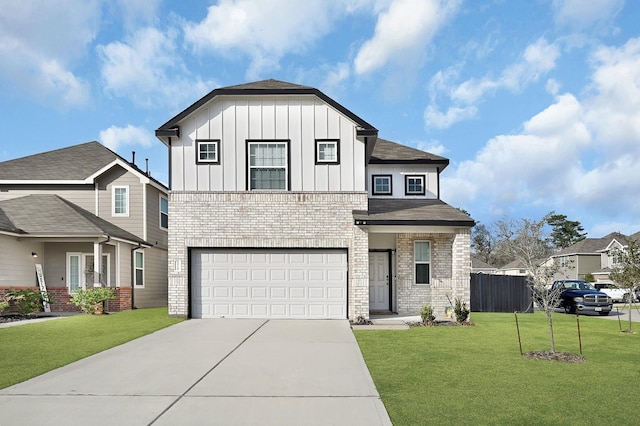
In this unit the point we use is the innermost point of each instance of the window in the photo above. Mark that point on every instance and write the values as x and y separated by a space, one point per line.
327 151
73 272
208 151
164 213
414 185
381 184
268 165
120 200
423 262
138 278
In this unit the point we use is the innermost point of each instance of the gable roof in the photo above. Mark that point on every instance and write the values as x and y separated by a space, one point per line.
387 152
591 245
264 87
46 215
422 212
74 164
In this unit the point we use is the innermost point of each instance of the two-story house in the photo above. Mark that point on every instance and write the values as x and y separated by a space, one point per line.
285 204
89 218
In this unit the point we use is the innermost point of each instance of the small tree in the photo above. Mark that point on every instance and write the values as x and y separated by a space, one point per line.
626 269
528 241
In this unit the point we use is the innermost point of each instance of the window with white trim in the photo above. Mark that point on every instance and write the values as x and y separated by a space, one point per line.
414 185
164 213
138 276
381 184
422 260
120 200
268 165
208 151
327 151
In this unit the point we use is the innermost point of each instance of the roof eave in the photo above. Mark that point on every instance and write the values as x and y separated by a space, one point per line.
392 222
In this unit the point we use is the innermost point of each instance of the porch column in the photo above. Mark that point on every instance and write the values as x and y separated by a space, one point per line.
97 263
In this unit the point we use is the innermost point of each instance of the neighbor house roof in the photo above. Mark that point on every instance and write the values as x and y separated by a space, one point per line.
6 224
387 152
264 87
423 212
590 245
74 164
46 215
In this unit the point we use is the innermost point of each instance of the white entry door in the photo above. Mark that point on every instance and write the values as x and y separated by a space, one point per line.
379 281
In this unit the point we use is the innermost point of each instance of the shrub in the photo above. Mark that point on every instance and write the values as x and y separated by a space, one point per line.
3 305
426 313
28 300
90 301
461 311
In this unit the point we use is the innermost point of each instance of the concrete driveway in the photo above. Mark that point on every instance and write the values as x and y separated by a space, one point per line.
221 371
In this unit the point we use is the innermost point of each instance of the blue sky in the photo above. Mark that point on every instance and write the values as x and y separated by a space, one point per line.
535 102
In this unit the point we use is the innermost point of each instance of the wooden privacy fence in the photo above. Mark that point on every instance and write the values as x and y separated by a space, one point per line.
500 293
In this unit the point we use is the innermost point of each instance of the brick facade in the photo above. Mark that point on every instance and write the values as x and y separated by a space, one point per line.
450 272
61 299
267 220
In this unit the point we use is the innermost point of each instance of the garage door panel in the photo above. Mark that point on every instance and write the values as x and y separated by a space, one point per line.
269 283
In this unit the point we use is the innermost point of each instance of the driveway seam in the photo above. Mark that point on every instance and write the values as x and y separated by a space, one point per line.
207 373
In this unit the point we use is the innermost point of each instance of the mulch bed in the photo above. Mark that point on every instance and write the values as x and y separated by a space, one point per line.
555 356
441 323
15 317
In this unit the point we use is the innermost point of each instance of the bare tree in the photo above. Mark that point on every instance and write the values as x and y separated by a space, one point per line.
626 269
528 242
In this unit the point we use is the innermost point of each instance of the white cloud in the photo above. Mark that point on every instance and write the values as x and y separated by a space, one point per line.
147 69
576 155
403 30
433 147
263 30
115 137
138 12
439 120
41 61
580 14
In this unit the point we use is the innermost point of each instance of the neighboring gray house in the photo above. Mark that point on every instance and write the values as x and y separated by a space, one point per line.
65 208
284 204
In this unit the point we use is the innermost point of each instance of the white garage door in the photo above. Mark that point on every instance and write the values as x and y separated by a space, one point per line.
258 283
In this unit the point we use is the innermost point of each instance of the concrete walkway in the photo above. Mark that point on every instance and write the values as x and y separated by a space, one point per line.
221 371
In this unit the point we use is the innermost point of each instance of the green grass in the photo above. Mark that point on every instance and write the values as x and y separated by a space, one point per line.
475 375
29 350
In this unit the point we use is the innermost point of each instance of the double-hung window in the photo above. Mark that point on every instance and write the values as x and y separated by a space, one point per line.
422 259
120 200
268 165
414 185
381 184
327 151
208 151
164 213
139 268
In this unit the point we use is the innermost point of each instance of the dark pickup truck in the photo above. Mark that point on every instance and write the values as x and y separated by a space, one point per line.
582 296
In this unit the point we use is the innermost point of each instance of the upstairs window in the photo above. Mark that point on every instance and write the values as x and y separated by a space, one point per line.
268 165
164 213
208 151
327 151
120 200
414 185
422 253
381 184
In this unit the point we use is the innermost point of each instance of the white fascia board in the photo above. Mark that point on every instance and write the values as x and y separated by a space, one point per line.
144 179
43 182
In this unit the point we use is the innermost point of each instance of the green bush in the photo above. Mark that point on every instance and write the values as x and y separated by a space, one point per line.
28 300
90 301
461 311
426 313
3 305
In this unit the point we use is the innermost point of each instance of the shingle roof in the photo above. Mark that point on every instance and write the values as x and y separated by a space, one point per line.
7 225
270 84
422 212
387 152
52 215
591 245
72 163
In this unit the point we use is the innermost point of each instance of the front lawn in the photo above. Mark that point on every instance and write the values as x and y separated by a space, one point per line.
29 350
475 375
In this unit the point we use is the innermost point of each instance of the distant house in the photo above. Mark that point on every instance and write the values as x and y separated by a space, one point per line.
90 218
287 205
480 267
515 268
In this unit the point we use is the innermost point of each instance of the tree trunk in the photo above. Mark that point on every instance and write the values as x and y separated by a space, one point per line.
553 344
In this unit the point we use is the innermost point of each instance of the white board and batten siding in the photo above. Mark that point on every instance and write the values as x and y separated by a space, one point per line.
299 119
269 283
398 173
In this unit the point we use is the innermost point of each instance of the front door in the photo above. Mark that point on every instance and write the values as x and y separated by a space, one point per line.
379 281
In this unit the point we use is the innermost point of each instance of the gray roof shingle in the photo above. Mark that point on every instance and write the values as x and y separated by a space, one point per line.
387 152
52 215
426 212
591 245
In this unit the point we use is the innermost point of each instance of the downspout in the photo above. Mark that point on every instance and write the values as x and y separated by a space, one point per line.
133 272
